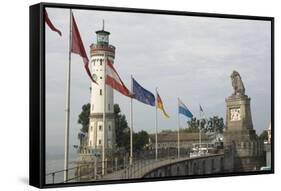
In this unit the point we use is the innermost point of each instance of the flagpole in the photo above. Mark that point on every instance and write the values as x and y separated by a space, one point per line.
156 128
104 119
131 130
178 131
67 105
199 131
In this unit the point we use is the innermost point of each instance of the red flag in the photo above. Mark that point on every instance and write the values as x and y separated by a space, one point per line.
50 24
77 47
114 80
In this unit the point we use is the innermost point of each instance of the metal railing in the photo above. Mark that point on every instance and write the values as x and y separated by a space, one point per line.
116 168
57 176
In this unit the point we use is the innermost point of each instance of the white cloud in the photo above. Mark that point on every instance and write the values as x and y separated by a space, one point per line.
187 57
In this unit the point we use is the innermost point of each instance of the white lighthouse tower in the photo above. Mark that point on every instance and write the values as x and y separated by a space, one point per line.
101 134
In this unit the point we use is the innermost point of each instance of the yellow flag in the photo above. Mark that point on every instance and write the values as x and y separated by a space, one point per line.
159 105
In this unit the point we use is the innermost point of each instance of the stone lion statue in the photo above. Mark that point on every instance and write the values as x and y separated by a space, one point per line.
237 83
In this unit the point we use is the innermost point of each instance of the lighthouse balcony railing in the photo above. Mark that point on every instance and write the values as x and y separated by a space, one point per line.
103 47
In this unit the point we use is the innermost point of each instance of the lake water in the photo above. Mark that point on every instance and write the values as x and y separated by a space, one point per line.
53 165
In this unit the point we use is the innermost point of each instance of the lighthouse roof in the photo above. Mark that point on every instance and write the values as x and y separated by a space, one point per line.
102 32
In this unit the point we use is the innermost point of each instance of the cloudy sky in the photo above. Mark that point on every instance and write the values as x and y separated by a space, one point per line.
187 57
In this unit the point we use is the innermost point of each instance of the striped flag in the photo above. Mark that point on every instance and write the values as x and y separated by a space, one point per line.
114 80
159 105
184 110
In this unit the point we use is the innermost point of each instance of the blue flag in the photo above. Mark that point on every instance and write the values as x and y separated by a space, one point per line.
142 94
183 109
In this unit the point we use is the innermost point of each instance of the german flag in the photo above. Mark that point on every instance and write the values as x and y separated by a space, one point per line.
159 105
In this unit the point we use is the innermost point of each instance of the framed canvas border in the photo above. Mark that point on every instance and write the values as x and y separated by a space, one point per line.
37 92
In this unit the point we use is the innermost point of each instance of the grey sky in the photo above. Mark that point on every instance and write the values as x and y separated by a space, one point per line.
187 57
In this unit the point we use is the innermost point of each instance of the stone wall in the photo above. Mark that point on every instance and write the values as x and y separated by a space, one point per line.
191 166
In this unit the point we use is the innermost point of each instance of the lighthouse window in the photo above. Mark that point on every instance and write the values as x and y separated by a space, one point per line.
91 128
101 62
100 127
99 142
109 127
101 77
100 91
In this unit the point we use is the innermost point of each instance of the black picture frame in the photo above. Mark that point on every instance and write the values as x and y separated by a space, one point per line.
37 97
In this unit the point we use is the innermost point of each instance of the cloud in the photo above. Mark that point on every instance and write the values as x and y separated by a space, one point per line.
187 57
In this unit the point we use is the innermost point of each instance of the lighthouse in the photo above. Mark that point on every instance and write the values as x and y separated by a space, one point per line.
101 133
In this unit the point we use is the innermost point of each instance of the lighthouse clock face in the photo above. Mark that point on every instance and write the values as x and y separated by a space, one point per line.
235 114
95 77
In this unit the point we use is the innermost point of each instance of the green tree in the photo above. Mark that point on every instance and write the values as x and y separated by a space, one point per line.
193 125
263 136
140 140
122 130
215 124
83 118
167 131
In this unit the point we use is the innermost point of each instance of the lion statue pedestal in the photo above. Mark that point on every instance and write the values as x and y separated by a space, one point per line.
241 144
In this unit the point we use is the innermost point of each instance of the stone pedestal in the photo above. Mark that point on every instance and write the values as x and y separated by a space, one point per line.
243 149
86 166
